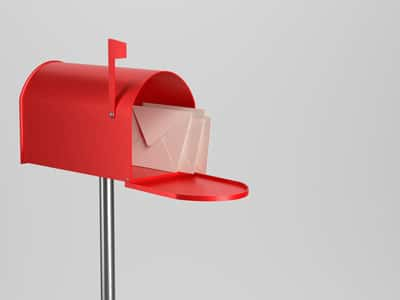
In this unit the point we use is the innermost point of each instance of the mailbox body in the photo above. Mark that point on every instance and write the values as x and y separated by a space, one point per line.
65 122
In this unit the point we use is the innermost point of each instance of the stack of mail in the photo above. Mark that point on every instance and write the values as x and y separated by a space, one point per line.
170 138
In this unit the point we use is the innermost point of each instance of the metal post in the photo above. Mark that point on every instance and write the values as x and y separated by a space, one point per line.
107 258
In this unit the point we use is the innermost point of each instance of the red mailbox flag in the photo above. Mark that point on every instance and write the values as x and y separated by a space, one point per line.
116 49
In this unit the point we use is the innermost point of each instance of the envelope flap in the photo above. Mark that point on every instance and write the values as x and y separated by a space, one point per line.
154 122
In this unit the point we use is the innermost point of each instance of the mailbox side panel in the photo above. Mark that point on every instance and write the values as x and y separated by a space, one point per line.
65 122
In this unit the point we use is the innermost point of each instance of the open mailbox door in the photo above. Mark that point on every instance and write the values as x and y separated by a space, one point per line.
78 117
195 187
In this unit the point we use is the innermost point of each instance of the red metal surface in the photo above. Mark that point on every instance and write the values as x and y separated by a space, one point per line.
195 187
65 124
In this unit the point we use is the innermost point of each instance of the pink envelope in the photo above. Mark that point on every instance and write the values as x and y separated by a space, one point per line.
159 137
195 152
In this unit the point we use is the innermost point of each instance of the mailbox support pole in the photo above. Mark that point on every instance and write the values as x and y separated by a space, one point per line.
107 241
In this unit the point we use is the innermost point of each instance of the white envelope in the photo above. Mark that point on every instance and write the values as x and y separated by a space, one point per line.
159 137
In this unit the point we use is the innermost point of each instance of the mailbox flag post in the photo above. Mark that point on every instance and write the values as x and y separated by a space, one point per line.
116 49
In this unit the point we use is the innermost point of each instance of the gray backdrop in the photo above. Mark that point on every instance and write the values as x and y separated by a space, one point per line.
303 97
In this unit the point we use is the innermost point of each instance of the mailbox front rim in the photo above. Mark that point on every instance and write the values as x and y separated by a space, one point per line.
28 80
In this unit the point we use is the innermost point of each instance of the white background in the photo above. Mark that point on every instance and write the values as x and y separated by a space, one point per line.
304 100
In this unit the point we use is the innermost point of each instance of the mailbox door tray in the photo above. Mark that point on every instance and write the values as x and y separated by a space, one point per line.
195 187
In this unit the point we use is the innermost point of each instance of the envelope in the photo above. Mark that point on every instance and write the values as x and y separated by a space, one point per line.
159 137
170 138
195 152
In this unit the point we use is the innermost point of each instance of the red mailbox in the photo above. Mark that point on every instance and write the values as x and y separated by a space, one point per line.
78 117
